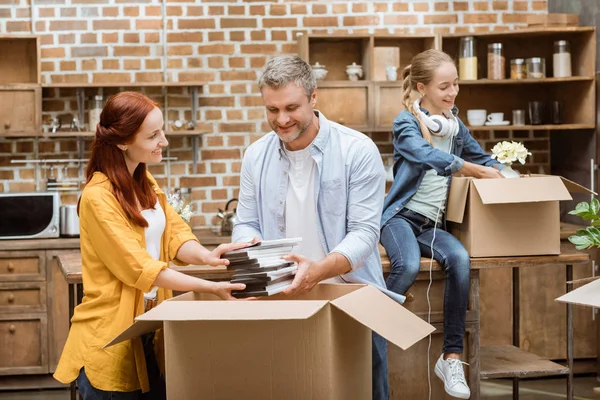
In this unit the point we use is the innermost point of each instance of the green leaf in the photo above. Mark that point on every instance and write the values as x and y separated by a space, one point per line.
594 233
595 206
581 242
596 222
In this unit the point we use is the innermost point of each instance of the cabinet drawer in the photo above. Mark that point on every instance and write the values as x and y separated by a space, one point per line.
23 342
345 105
22 266
22 297
20 113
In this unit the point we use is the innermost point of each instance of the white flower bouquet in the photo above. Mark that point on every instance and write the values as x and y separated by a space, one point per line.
181 207
510 152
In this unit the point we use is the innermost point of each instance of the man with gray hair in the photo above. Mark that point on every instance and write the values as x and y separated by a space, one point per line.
315 179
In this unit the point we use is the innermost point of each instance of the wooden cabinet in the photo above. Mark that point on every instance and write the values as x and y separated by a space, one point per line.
24 344
371 103
22 266
21 112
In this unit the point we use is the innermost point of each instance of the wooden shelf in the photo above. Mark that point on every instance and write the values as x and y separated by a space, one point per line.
123 84
527 32
563 127
526 81
91 134
342 84
512 362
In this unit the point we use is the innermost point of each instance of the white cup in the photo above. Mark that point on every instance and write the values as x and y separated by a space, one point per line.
391 73
476 117
495 118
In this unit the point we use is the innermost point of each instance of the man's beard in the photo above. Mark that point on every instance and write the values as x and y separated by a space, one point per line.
293 135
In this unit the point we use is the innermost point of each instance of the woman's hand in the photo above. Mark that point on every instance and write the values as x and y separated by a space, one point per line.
214 259
489 173
223 289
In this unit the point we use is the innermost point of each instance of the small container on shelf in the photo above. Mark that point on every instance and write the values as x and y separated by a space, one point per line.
561 59
496 62
319 71
536 68
94 112
467 59
518 69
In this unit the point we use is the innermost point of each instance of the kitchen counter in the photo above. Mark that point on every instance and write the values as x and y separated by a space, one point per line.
206 236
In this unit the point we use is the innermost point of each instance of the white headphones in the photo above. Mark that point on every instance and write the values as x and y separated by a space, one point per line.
438 125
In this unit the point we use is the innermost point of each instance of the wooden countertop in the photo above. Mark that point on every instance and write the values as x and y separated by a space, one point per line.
205 236
70 264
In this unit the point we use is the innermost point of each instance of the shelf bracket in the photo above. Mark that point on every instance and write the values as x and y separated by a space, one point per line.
193 120
81 106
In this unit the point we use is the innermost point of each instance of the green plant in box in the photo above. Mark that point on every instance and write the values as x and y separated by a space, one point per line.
590 236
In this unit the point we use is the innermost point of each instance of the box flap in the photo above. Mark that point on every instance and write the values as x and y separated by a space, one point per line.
370 307
587 295
457 199
232 310
136 329
521 190
574 187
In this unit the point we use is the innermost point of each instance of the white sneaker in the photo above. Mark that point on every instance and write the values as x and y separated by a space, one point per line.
451 372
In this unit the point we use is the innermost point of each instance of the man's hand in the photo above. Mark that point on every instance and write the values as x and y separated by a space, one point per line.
305 278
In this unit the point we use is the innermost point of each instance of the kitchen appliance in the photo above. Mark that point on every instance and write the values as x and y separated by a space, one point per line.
29 215
228 218
69 220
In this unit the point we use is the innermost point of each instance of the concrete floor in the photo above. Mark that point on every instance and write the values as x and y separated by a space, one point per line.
545 389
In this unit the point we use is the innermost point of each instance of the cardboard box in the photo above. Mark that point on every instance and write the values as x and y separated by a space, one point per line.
316 346
586 295
552 19
508 217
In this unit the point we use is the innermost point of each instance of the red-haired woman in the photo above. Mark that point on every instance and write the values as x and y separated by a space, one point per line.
129 233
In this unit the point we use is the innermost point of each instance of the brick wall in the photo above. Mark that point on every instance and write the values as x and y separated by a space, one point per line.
225 43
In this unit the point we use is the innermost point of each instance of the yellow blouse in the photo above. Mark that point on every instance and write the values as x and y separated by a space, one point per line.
116 271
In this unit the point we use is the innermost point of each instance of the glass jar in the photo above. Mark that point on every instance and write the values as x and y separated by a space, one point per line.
518 69
94 112
536 68
467 59
496 62
561 59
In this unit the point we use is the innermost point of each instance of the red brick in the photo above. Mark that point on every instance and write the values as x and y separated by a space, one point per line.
87 38
150 24
320 21
216 49
132 64
279 35
500 5
251 101
214 101
521 5
280 22
111 25
133 11
66 39
381 7
258 62
128 51
111 77
258 48
220 154
396 6
153 11
216 89
237 36
67 66
110 64
213 115
231 180
175 63
508 18
320 8
539 5
298 8
110 12
189 181
152 37
219 194
153 63
196 23
277 9
361 21
257 10
480 6
89 51
441 6
421 7
45 12
53 52
238 75
258 36
215 62
236 140
236 166
256 113
184 37
180 50
460 6
89 65
480 18
216 10
216 36
195 62
238 23
441 19
237 127
237 62
194 11
236 10
68 25
408 19
214 141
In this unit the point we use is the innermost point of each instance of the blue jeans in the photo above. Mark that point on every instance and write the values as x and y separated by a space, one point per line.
406 237
381 387
157 382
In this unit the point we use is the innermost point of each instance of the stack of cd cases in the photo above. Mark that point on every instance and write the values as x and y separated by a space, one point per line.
261 268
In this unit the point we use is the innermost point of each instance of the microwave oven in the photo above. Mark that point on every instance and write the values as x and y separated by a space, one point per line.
29 215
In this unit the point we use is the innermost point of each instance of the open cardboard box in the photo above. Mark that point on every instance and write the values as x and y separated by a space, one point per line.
315 346
509 217
586 295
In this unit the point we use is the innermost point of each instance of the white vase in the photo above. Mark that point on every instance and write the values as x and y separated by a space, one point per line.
508 172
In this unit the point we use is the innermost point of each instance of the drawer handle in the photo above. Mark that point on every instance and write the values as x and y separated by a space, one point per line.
12 329
11 298
10 267
6 124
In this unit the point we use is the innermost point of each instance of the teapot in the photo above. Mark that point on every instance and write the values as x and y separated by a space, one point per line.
354 71
228 218
319 71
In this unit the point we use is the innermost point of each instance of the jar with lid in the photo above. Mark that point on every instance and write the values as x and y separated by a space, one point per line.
536 68
94 112
496 62
561 59
467 59
518 69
